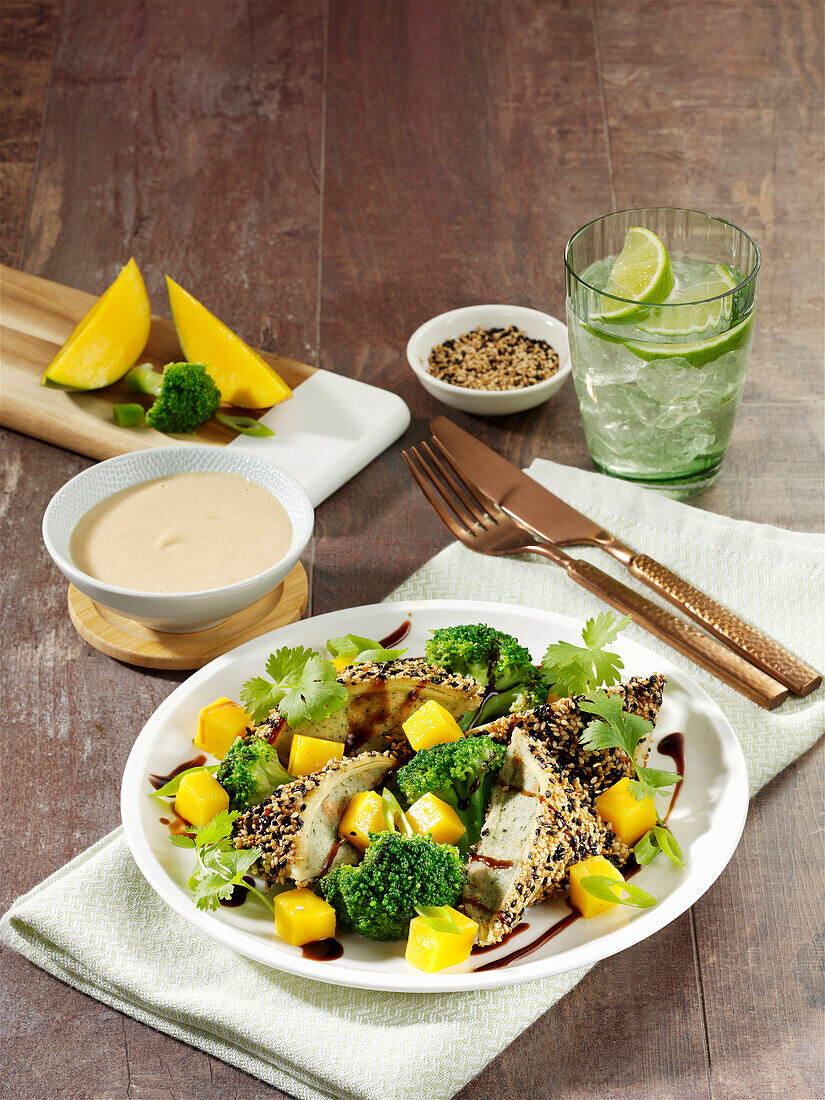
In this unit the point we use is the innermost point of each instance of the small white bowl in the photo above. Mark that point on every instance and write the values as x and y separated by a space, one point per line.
447 326
174 612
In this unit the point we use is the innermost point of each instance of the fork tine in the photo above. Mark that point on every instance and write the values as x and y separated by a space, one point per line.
454 480
483 502
423 484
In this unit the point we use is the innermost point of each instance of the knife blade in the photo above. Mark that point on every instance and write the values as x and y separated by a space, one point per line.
545 515
517 493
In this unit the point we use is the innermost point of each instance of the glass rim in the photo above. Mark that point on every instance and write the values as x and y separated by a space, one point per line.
667 305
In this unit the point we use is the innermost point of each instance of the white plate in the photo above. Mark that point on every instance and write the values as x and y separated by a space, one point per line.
708 818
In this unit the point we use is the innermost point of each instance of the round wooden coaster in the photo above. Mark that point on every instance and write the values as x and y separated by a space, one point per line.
136 644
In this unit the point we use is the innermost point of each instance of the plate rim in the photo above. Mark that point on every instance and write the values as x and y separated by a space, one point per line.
654 920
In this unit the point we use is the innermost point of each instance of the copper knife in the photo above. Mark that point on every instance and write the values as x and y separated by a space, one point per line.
546 515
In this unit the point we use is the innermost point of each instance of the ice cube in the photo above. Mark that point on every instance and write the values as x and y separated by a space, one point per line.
668 380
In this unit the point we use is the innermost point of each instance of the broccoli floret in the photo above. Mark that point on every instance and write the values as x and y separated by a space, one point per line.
251 771
377 898
188 398
461 773
497 661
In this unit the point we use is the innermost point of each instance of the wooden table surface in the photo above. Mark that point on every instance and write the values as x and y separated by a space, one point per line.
327 176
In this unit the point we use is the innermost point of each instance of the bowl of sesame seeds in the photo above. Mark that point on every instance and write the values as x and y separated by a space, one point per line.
491 359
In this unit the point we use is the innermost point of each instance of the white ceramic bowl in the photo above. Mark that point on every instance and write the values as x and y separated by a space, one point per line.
173 612
446 326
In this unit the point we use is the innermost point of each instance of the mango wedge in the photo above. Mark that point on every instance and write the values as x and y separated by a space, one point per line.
243 378
109 339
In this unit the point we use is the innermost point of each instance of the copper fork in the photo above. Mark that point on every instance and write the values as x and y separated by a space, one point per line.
477 521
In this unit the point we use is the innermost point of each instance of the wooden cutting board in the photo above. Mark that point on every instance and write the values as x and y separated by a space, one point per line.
36 317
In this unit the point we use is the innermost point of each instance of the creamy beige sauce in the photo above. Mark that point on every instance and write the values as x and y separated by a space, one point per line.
182 533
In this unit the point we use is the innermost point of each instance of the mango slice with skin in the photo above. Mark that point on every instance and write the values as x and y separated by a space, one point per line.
108 341
241 375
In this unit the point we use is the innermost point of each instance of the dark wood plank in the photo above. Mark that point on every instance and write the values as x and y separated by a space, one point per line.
760 163
28 29
475 209
743 139
465 141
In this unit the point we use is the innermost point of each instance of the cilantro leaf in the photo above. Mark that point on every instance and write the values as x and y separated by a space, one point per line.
617 729
303 687
220 867
573 670
217 831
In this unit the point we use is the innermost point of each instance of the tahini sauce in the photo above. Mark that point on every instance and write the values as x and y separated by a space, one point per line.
182 533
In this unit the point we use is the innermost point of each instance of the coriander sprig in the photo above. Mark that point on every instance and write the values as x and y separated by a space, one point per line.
220 867
620 730
303 686
573 670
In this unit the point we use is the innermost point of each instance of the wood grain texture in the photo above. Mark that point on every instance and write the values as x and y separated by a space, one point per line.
127 640
328 176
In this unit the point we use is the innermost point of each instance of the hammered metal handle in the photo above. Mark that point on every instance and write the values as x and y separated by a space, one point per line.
729 628
681 635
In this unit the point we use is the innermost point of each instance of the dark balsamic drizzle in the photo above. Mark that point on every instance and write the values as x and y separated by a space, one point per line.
674 746
397 635
322 950
159 781
529 948
488 861
479 950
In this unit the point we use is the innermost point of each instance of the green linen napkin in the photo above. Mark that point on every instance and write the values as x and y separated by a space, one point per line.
315 1040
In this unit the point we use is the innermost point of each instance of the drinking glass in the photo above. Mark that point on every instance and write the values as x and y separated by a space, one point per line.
659 384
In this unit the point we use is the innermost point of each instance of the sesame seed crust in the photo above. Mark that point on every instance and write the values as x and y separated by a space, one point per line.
560 724
274 826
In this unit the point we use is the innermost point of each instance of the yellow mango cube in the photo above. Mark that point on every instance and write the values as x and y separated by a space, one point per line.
629 818
310 754
200 797
364 814
341 663
302 917
586 904
430 950
219 724
430 815
431 725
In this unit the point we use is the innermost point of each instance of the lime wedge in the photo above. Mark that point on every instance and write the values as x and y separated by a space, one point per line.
701 352
641 273
688 312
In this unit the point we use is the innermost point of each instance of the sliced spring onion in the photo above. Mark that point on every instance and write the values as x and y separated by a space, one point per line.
246 425
127 416
355 648
392 811
144 379
604 888
646 849
173 785
438 918
669 845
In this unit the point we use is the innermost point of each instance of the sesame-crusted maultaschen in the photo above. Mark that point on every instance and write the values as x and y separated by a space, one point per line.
380 698
297 827
536 826
560 724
